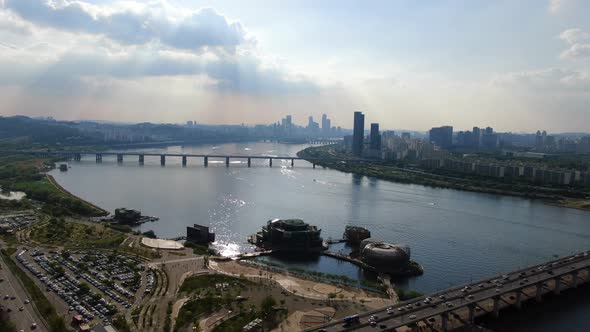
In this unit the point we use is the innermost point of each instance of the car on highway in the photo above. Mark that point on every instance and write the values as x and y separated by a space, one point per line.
350 320
412 317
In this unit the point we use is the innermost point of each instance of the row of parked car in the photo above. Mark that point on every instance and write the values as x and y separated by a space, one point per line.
67 288
119 267
92 275
149 282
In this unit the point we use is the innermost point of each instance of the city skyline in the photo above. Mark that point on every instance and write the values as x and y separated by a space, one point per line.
231 63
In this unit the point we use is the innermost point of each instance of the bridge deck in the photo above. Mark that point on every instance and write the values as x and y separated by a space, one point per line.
152 154
482 296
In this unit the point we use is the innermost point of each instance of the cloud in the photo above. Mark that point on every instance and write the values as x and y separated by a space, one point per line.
556 6
142 40
573 36
135 25
11 24
579 44
242 73
546 80
576 51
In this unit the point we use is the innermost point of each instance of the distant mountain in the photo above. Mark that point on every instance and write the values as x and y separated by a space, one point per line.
36 131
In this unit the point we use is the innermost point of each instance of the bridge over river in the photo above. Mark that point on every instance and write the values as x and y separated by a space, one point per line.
77 155
460 306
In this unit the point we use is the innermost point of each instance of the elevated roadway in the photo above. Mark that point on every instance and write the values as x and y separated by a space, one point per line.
460 306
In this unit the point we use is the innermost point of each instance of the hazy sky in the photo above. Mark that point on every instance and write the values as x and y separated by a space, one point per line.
514 65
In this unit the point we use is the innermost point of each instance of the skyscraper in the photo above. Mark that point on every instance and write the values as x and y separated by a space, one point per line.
375 137
358 134
326 125
476 137
442 136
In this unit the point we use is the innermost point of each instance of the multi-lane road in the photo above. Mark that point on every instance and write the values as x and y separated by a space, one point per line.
458 306
14 297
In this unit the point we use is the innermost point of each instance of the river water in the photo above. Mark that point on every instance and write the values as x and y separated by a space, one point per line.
457 236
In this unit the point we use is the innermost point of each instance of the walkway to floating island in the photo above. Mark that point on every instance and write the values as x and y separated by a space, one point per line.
161 244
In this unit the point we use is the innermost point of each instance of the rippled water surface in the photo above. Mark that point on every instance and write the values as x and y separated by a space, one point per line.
457 236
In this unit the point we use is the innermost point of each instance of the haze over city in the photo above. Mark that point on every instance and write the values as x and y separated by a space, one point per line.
515 66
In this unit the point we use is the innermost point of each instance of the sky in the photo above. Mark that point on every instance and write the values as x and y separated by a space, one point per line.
514 65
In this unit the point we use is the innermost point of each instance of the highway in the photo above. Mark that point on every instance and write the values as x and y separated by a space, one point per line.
11 287
461 304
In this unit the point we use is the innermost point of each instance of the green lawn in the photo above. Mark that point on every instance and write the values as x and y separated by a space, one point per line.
58 232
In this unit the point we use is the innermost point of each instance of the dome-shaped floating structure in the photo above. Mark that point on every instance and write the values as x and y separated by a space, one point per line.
384 256
355 234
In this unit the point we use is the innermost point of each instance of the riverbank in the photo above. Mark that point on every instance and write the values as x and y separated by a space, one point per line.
393 173
100 211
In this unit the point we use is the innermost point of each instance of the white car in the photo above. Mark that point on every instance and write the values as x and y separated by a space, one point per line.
412 317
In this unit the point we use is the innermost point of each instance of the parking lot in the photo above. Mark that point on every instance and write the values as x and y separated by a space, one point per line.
10 223
93 284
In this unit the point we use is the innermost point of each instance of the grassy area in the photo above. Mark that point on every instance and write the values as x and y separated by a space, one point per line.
576 204
168 320
208 281
22 173
210 298
140 251
193 309
200 249
135 313
7 326
237 322
56 323
405 294
120 228
59 232
120 324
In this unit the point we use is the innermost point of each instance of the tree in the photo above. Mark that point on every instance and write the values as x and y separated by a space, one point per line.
150 234
57 324
84 288
6 325
267 304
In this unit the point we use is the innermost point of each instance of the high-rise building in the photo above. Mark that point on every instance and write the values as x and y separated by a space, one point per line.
375 137
358 134
476 138
289 125
326 125
489 139
442 136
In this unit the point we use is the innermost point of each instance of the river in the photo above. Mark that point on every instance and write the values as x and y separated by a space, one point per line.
457 236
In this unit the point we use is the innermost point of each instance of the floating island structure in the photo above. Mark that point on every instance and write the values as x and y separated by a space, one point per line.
289 236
